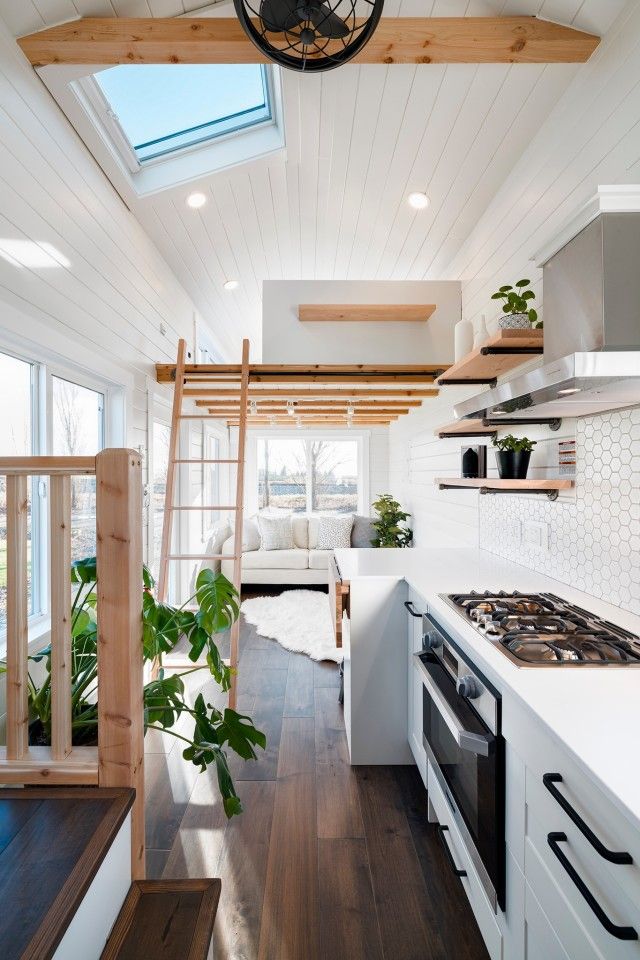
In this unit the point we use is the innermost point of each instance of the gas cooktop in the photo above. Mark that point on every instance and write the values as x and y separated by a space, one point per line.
542 630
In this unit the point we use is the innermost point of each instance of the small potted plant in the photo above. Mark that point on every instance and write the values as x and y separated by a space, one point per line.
518 315
513 455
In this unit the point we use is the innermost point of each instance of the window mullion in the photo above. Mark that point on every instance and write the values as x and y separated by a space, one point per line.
308 485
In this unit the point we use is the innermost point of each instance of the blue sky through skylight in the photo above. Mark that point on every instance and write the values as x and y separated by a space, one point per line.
163 108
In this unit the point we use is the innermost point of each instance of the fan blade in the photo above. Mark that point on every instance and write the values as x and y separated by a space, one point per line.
279 16
328 23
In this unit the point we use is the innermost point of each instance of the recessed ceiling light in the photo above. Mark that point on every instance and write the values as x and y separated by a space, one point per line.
419 201
196 200
231 284
568 391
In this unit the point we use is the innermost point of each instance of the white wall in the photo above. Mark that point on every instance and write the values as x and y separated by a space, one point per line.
286 340
104 309
592 137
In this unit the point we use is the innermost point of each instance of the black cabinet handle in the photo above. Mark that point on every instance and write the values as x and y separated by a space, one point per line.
409 605
620 933
613 856
441 831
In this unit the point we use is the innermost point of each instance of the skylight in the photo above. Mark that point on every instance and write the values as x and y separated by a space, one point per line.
165 109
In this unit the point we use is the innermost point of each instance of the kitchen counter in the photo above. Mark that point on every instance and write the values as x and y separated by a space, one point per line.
593 711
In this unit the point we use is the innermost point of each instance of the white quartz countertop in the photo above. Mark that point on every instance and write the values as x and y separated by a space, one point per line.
593 711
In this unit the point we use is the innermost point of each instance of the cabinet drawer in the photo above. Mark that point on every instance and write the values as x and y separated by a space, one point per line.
543 754
482 910
580 931
541 942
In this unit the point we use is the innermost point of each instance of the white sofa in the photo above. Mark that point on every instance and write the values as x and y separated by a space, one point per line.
303 564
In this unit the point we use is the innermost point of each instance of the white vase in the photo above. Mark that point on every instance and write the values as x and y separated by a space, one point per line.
481 334
462 339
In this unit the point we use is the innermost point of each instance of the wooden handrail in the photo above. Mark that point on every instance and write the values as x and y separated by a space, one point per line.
118 759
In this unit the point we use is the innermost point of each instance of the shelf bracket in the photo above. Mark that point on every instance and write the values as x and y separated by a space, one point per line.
506 351
485 491
491 381
554 423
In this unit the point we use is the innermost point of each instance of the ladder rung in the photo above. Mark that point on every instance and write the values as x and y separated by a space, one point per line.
201 556
203 508
206 461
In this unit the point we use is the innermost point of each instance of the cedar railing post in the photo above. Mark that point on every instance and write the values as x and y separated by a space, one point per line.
120 665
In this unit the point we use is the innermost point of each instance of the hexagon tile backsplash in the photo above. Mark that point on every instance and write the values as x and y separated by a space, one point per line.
594 542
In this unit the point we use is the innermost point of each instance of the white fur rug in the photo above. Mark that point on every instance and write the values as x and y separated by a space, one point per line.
300 620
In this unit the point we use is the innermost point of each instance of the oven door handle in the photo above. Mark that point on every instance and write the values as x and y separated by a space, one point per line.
482 744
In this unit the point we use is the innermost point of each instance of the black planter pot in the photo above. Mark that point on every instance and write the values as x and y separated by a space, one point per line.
513 465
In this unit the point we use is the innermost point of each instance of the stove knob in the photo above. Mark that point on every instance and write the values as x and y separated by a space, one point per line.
467 686
431 640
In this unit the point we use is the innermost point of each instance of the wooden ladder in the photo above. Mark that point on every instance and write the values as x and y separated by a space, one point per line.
170 507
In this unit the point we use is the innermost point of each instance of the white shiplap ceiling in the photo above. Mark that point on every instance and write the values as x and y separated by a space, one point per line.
359 139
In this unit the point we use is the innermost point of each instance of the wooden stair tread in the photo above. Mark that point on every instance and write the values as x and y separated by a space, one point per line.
165 920
52 843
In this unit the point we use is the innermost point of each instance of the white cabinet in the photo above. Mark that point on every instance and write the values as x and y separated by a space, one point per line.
414 683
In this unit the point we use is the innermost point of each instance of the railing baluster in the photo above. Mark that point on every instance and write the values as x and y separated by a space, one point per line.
60 507
17 619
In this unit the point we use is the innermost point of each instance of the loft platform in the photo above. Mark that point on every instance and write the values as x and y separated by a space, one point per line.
499 355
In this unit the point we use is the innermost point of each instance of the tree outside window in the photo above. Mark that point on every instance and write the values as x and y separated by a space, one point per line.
308 475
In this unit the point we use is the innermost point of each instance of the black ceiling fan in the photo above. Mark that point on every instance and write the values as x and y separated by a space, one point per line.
309 35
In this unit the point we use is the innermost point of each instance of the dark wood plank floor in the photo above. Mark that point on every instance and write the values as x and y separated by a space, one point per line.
328 861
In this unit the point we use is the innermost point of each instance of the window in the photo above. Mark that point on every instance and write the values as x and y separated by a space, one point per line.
160 110
17 439
78 429
161 435
310 475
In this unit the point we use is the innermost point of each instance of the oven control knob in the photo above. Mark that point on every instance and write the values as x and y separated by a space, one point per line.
431 640
467 686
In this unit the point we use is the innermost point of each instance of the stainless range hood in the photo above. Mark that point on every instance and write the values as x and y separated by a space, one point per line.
591 332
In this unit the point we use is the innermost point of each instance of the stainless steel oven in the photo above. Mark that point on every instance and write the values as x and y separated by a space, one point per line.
461 724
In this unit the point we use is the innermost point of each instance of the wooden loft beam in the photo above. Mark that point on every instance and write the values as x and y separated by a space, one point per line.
365 312
94 40
279 393
314 403
313 372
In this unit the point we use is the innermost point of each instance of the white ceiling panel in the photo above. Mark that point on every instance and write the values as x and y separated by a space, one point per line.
358 140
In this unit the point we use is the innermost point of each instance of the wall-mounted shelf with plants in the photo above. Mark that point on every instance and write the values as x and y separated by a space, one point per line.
498 355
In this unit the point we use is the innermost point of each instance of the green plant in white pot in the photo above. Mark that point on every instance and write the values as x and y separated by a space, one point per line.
516 306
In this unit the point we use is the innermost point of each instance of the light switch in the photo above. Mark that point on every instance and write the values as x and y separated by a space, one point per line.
536 534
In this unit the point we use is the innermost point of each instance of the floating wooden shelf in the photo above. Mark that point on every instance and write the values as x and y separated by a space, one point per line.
366 312
501 353
466 428
549 486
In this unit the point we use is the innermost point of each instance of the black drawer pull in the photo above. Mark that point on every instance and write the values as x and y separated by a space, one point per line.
441 831
613 856
621 933
409 605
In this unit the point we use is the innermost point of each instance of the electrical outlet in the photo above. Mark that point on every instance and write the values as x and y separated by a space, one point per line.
536 534
513 532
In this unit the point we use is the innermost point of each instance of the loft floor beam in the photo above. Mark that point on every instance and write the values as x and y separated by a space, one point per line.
227 373
93 40
309 393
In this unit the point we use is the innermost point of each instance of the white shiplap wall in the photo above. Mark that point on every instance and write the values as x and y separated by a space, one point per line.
104 309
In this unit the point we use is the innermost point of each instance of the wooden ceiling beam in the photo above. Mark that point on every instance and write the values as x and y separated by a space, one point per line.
309 393
310 405
258 372
94 40
365 312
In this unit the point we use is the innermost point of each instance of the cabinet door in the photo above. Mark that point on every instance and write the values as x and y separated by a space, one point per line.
541 942
414 684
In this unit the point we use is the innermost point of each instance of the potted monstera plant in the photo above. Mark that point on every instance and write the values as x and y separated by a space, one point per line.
517 309
513 455
213 731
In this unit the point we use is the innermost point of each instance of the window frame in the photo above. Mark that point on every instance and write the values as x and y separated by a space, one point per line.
361 437
45 366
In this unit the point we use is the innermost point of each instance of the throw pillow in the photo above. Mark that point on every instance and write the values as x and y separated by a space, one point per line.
276 533
334 533
363 532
